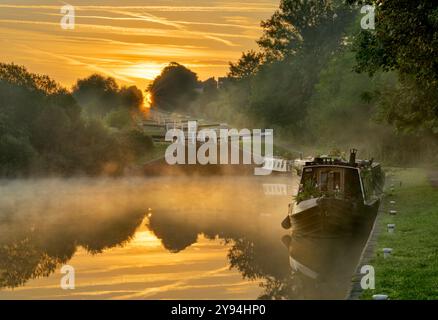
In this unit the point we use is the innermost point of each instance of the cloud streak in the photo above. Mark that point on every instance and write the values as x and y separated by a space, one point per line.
116 39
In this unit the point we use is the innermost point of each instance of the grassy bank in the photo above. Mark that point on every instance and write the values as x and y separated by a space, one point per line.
412 270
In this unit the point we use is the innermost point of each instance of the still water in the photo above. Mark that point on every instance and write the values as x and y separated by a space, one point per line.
164 238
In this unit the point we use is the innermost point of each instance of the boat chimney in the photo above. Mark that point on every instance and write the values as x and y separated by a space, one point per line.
353 157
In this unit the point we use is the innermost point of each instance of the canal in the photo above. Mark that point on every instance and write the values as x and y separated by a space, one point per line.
164 238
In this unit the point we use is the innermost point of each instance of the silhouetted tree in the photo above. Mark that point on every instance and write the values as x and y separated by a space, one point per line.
174 88
298 24
96 94
247 65
42 131
131 98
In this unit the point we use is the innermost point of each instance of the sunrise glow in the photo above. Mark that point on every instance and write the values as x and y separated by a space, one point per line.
146 71
147 102
129 41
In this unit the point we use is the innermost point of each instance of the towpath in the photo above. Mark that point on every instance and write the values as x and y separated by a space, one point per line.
433 178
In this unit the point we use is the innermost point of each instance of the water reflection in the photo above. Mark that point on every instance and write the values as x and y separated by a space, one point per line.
36 249
164 238
321 268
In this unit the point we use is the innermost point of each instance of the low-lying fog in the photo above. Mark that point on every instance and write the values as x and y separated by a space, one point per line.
168 237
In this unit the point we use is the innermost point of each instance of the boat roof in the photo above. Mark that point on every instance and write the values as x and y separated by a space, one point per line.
340 162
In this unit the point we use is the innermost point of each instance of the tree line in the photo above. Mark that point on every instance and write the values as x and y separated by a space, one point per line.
46 129
321 81
317 79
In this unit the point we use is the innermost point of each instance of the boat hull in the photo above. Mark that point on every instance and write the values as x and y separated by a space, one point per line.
333 217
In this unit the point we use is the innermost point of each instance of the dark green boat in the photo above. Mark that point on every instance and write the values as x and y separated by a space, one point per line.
336 195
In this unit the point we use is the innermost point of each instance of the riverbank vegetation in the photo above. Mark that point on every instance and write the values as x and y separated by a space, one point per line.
47 130
319 80
322 82
412 270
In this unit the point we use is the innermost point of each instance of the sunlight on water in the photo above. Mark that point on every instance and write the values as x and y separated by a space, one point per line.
163 238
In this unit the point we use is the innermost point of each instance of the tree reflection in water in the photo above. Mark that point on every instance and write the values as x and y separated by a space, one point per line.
36 249
292 267
39 233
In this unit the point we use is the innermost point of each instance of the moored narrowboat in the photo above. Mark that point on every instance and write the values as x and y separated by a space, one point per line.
336 195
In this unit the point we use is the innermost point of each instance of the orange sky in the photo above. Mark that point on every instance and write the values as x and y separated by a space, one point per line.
130 40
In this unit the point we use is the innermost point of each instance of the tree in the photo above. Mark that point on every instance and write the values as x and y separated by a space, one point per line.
131 98
210 86
96 94
410 107
297 42
300 23
246 66
16 155
19 76
100 96
174 88
136 143
118 119
405 40
42 131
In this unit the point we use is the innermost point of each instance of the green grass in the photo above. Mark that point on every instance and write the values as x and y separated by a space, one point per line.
412 270
156 153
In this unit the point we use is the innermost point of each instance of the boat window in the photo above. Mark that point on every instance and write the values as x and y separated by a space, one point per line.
308 176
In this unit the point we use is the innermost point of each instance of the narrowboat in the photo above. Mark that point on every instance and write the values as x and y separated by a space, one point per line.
336 195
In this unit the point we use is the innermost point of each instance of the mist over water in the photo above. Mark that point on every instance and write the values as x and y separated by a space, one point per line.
167 237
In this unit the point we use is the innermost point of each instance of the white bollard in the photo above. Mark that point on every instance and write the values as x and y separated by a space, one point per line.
392 202
393 212
387 252
380 297
391 228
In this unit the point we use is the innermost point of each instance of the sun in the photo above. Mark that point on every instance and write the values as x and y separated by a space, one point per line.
147 104
147 101
145 71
